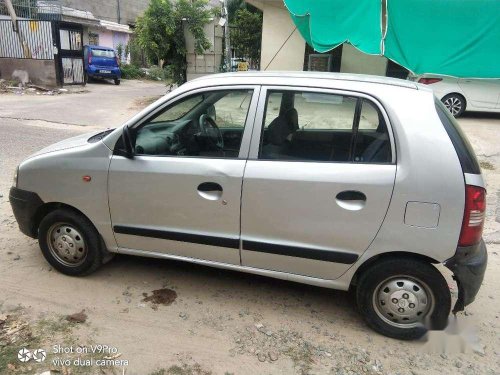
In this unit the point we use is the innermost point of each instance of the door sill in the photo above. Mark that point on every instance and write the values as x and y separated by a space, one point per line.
331 284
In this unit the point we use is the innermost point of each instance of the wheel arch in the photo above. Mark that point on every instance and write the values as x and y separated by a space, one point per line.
49 207
458 94
384 256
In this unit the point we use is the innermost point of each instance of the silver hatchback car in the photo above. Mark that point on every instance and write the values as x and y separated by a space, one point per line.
339 181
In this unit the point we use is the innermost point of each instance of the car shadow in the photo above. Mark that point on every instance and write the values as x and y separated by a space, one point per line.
99 81
482 115
259 292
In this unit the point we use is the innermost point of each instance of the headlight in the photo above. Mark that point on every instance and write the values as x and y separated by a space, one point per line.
14 182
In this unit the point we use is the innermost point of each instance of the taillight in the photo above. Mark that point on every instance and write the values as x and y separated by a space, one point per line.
474 212
90 59
429 81
116 60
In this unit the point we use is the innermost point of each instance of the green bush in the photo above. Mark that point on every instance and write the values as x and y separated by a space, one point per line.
156 73
130 71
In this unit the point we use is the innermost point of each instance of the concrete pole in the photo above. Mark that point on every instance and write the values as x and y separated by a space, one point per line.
15 27
227 39
13 15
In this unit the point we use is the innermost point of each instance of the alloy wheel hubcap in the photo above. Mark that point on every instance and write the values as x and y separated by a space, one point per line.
454 105
66 244
403 302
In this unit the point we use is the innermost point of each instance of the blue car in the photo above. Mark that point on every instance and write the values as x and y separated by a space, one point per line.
101 62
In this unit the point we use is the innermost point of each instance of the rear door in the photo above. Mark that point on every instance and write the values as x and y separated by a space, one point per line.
316 190
482 93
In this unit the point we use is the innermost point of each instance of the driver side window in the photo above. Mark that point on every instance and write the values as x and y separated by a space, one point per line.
208 124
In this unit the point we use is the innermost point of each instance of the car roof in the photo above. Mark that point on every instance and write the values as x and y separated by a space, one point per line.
363 78
99 47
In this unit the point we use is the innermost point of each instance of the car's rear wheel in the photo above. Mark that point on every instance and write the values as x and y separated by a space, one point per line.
117 81
70 243
403 298
455 104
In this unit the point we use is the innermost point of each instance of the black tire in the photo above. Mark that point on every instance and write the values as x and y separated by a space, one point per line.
373 279
117 81
95 253
455 103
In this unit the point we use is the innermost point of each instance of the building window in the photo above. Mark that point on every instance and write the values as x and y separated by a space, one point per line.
323 62
93 39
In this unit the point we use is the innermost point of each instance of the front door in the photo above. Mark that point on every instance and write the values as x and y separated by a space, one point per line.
318 181
482 93
181 193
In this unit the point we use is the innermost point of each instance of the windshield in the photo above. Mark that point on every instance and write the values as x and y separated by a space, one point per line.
103 53
179 110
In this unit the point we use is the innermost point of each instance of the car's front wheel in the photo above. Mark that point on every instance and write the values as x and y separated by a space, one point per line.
117 81
70 243
455 104
403 298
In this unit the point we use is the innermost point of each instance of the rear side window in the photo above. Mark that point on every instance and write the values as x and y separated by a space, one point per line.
322 127
464 149
103 53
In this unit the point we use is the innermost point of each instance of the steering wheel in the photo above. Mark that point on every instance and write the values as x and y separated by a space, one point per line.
210 129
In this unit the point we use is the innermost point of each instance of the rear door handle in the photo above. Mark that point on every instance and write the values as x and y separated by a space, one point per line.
351 200
210 190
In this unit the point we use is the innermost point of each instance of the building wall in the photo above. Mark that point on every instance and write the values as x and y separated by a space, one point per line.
40 72
106 38
210 61
108 10
277 27
355 61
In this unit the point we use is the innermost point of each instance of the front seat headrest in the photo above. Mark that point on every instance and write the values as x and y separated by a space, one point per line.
282 126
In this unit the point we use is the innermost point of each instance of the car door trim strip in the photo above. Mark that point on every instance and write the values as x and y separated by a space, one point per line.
233 243
301 252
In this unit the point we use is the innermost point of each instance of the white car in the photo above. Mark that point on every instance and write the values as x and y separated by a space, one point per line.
463 94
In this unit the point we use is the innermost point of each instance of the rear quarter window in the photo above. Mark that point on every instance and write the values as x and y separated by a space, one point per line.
462 145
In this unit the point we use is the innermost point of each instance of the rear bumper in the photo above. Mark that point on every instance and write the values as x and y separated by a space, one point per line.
25 205
468 267
96 72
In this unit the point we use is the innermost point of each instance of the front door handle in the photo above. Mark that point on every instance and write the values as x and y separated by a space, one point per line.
210 190
351 200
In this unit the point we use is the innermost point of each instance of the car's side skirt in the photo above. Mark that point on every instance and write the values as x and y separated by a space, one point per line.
339 284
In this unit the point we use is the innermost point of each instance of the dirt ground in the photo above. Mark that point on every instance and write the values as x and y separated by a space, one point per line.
148 316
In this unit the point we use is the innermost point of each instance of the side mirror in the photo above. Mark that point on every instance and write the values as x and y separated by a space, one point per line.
127 143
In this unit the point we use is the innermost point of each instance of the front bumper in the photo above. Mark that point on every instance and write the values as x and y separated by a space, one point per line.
25 204
468 267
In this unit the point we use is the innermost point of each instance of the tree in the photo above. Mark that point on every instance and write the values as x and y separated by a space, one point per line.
161 32
233 6
247 34
155 30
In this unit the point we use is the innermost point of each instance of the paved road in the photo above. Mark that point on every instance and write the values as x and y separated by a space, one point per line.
102 104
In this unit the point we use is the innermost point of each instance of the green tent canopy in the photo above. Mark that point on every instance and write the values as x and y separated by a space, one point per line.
325 24
450 37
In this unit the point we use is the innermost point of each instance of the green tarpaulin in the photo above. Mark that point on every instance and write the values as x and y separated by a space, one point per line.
325 24
451 37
